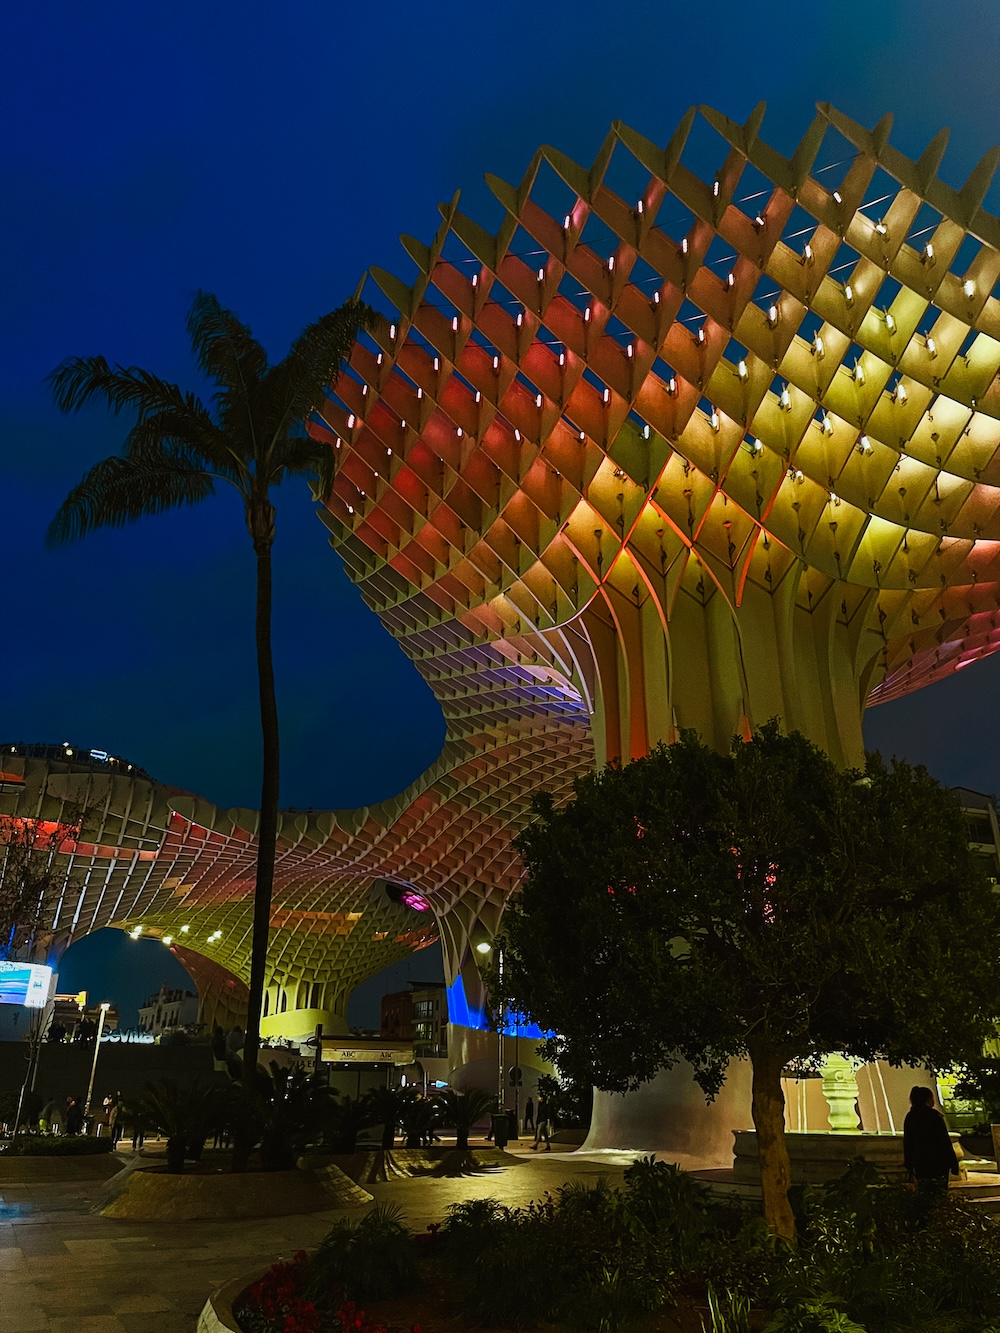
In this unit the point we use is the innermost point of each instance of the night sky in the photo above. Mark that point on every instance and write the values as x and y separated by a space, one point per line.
270 154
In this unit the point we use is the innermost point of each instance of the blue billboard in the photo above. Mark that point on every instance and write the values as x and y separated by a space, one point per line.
25 983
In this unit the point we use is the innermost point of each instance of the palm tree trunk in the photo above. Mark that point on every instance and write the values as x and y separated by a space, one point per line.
262 529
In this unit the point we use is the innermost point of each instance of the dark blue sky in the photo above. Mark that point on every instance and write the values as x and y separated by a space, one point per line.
271 153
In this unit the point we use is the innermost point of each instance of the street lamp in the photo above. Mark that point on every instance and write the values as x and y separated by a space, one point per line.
97 1050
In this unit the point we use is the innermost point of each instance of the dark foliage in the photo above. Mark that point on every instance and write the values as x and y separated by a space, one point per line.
570 1100
285 1113
374 1259
54 1145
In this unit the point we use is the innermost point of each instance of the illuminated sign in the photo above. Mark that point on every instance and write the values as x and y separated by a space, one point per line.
25 983
337 1051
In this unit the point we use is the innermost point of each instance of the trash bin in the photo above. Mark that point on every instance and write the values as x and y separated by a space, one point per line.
501 1127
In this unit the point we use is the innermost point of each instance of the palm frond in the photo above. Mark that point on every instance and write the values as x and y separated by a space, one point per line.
81 378
303 456
117 491
297 384
193 439
226 350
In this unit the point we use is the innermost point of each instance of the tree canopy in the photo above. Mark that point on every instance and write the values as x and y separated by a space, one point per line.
760 903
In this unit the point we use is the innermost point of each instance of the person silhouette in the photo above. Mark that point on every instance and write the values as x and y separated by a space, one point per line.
928 1154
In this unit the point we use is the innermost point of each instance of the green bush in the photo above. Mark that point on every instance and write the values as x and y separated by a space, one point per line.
578 1258
373 1259
55 1145
881 1257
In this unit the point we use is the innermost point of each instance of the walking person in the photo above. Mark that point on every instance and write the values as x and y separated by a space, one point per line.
529 1115
928 1154
131 1114
541 1125
113 1111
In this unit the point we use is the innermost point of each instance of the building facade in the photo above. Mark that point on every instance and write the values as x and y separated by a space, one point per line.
168 1009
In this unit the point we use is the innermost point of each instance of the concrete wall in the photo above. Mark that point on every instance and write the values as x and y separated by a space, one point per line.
64 1070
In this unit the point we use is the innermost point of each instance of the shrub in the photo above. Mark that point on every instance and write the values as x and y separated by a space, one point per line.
882 1257
373 1259
729 1313
578 1257
55 1145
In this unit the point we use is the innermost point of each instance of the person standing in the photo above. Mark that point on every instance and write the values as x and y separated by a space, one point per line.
53 1115
73 1118
529 1115
928 1154
113 1105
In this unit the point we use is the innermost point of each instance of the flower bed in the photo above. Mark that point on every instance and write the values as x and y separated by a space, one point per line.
278 1301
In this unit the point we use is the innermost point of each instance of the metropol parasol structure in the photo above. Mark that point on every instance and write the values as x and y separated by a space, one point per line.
666 450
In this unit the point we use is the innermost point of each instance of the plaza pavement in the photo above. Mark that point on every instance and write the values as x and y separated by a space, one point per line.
65 1270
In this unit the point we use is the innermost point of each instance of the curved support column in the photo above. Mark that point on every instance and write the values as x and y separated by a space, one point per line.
669 1116
475 1056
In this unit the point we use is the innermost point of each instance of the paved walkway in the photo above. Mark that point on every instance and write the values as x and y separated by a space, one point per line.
66 1270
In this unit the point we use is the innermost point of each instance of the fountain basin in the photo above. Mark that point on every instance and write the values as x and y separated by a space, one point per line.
818 1156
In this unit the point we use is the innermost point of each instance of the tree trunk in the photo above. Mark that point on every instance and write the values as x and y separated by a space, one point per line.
261 521
175 1155
772 1150
462 1137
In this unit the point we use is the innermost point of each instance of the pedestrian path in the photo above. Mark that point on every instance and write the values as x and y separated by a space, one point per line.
66 1270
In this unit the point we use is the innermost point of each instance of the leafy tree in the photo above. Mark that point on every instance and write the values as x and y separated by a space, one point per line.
760 904
32 874
251 437
460 1111
570 1100
979 1081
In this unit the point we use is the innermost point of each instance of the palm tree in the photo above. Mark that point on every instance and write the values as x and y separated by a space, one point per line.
417 1119
251 437
384 1105
460 1111
183 1113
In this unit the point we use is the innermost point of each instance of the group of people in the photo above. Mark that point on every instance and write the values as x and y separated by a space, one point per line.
85 1032
61 1117
70 1117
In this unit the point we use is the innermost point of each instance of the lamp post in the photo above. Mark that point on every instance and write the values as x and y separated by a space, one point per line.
97 1050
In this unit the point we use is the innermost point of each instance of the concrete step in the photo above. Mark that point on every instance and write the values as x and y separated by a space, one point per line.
988 1204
